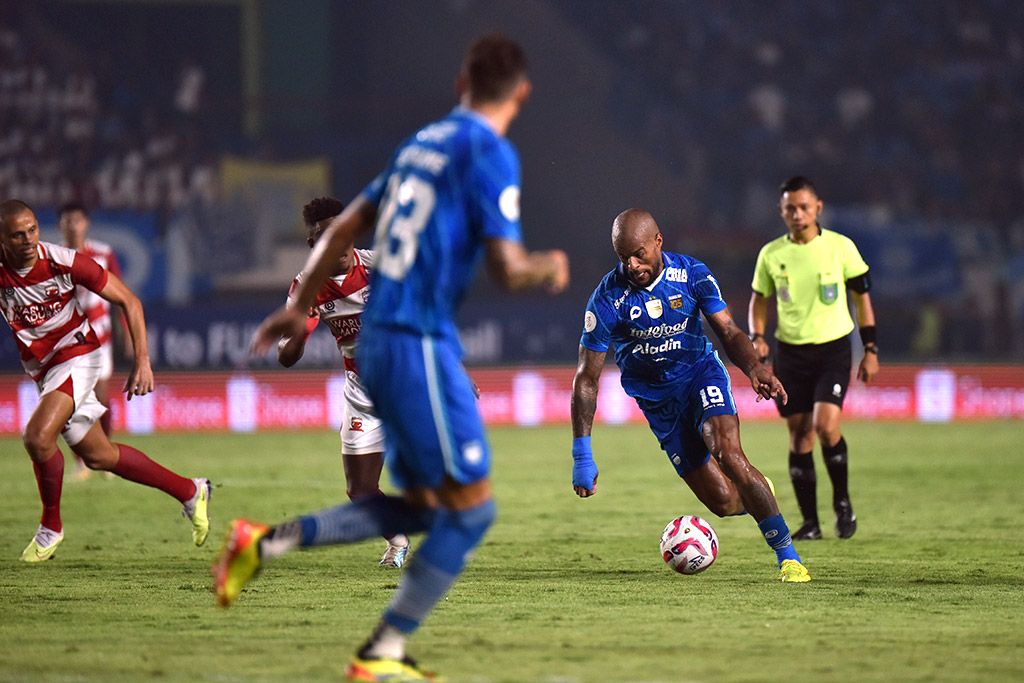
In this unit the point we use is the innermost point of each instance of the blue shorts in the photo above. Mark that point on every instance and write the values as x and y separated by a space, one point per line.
425 400
677 420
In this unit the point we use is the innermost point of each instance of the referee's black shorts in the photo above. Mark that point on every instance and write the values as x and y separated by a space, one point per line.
812 373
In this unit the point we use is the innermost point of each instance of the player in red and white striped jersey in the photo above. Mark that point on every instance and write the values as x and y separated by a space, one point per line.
61 353
339 305
74 228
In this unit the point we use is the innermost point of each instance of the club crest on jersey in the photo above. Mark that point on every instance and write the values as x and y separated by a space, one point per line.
52 291
829 293
634 312
654 308
356 425
675 301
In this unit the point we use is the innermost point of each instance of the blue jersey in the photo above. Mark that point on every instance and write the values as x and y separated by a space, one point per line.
655 331
446 189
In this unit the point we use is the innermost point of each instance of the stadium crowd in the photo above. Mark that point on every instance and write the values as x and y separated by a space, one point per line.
72 129
911 110
908 114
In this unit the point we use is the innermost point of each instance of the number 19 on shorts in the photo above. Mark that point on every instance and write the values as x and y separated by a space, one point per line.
712 397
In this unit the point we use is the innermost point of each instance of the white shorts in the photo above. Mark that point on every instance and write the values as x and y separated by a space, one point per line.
106 361
84 372
361 429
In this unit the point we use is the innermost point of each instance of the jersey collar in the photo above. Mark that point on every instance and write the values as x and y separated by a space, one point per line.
476 116
655 281
790 237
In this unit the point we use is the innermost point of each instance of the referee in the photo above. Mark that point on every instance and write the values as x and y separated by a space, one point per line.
809 270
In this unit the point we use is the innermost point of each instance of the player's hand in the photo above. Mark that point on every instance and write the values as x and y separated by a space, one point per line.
584 469
767 385
284 322
140 380
585 473
559 279
868 367
761 349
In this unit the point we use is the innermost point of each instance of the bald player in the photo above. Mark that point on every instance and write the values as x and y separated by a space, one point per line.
648 311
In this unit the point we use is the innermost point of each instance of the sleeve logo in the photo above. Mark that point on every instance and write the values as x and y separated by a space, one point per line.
589 321
508 202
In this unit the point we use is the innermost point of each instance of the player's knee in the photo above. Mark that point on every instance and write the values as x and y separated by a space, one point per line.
828 432
801 440
477 519
38 443
733 461
104 459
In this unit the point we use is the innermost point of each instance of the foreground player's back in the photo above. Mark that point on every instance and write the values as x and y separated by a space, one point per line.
447 188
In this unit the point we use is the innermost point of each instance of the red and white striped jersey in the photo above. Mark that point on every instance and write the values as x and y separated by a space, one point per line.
340 303
97 309
40 306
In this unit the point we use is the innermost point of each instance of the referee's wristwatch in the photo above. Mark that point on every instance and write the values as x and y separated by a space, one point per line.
871 348
754 336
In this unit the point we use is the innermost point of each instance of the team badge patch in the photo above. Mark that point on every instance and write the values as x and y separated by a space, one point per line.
356 425
589 321
829 293
675 301
654 308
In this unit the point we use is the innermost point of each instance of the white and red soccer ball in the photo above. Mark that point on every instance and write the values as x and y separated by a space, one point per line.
689 544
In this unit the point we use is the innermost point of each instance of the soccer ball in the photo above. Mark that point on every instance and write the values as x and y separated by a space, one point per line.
689 544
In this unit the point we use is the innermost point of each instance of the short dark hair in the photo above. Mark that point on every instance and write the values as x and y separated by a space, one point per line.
318 210
797 182
12 207
71 207
493 66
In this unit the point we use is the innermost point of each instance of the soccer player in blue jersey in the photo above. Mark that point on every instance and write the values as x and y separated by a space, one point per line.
448 198
648 311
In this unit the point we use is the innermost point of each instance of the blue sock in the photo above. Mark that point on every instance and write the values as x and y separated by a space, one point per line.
776 534
366 518
437 563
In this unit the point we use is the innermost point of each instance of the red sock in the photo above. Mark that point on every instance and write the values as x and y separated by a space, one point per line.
134 465
50 479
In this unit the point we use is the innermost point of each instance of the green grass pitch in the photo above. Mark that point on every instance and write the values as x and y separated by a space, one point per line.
930 589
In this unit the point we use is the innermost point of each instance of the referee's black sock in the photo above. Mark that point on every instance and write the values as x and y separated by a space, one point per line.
836 462
805 484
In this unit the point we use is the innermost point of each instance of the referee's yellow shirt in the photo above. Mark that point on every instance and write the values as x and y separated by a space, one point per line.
809 284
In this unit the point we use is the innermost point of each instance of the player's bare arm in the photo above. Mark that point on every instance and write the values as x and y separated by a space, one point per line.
584 404
866 319
741 352
288 321
290 350
140 379
516 269
757 323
